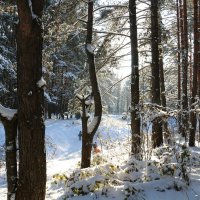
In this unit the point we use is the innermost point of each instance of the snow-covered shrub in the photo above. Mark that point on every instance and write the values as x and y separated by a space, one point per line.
195 159
130 190
179 185
131 171
165 155
88 185
62 178
169 161
168 169
104 179
98 160
172 161
163 151
90 180
183 159
135 164
50 147
152 171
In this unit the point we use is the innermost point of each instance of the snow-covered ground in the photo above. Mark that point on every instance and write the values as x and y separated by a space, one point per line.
116 178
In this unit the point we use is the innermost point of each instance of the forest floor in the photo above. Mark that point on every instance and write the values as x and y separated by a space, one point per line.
114 174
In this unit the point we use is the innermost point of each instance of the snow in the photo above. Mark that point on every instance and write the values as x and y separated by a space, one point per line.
93 123
90 48
119 177
89 101
3 88
30 93
4 62
46 95
34 16
41 83
7 112
79 96
70 75
12 197
9 148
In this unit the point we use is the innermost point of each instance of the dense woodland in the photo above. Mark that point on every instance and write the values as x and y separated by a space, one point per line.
67 59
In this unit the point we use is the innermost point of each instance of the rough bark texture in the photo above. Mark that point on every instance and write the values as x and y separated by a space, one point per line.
135 117
88 137
10 127
179 62
198 62
184 56
194 77
157 137
32 155
166 132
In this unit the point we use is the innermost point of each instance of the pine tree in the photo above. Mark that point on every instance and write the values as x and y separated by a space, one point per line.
135 116
157 137
32 156
184 57
194 77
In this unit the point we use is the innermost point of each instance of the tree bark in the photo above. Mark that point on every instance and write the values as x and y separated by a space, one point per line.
198 63
89 131
184 53
157 137
179 63
194 76
135 116
10 127
32 155
86 139
166 132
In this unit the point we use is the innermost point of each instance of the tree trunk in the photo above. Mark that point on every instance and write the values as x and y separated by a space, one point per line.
163 99
166 132
32 155
135 117
157 137
86 139
10 127
194 77
179 64
198 63
184 53
90 130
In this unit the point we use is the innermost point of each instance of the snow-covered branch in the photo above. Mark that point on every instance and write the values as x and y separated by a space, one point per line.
153 111
111 33
115 84
80 97
110 6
